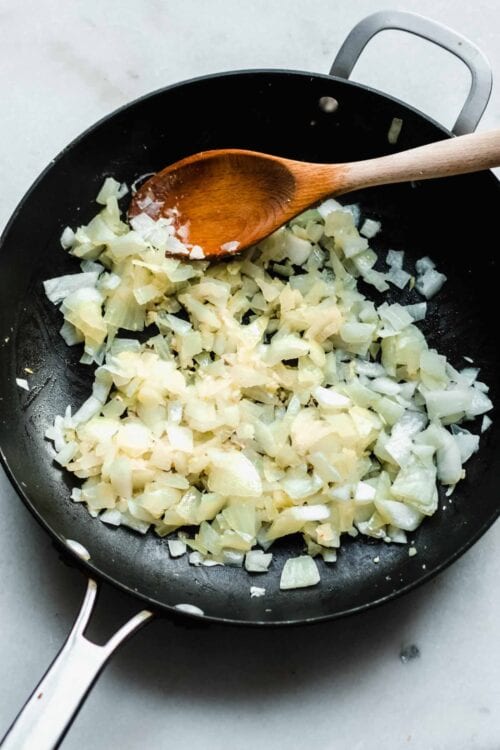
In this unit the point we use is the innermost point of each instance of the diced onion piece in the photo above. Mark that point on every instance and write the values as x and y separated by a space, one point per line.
257 561
386 385
424 264
448 456
67 238
394 130
329 398
301 486
134 523
481 386
466 441
395 316
357 333
433 369
299 572
111 189
297 250
370 228
230 247
329 555
286 347
195 558
416 485
370 369
181 438
486 423
443 403
257 591
396 535
59 288
417 311
364 492
310 512
67 453
395 259
134 439
233 558
399 515
197 253
112 517
479 403
398 277
376 279
328 206
355 210
430 283
232 473
176 547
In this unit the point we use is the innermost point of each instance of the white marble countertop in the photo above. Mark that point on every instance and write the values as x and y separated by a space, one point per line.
340 686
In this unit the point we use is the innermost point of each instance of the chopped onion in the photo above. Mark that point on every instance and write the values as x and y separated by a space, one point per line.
417 311
111 189
395 259
423 265
430 283
443 403
399 515
486 423
233 558
479 403
394 130
328 206
395 316
230 247
297 250
328 398
256 591
67 238
364 492
257 561
299 572
233 474
112 517
176 547
59 288
310 512
272 399
467 442
197 253
398 277
370 228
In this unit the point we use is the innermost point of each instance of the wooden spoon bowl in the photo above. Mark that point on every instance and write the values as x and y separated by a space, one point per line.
226 196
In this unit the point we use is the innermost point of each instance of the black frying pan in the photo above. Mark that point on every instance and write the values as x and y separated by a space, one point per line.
278 112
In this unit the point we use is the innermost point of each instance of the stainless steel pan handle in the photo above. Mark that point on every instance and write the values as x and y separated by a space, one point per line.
49 712
458 45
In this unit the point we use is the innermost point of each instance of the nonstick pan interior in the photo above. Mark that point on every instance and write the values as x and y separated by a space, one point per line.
451 220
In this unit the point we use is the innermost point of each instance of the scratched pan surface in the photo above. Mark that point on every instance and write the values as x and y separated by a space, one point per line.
453 221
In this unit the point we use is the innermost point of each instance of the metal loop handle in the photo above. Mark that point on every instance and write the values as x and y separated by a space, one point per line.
458 45
48 713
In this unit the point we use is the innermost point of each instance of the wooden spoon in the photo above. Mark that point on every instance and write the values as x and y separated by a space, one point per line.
223 201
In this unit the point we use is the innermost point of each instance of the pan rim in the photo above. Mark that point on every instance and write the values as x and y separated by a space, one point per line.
87 566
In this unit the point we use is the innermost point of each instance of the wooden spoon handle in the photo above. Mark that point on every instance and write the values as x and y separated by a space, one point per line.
466 153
